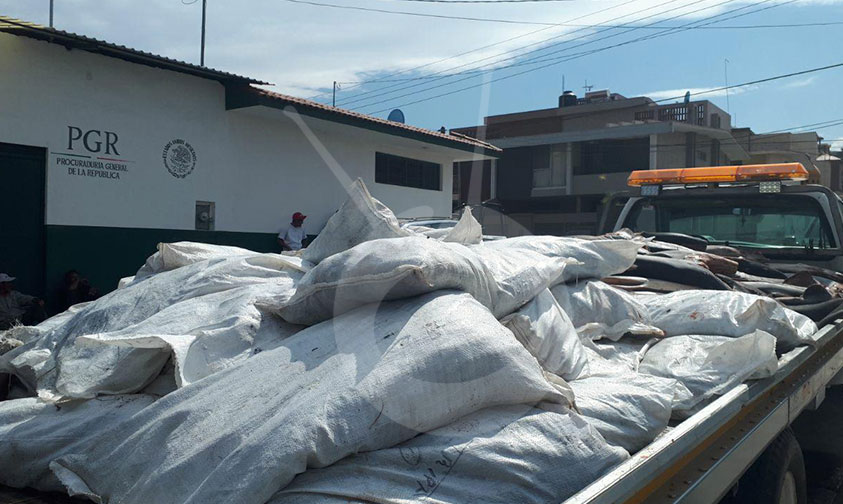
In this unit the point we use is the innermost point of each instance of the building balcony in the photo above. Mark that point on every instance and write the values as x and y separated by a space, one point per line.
696 113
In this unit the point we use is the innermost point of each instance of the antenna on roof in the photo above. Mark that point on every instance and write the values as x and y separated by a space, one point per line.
587 87
726 81
334 95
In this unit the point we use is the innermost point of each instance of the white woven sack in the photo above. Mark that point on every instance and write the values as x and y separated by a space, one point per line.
34 433
548 334
361 218
711 365
728 313
500 455
369 379
599 310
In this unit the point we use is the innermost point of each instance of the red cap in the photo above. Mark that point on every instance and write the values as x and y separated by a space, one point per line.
299 216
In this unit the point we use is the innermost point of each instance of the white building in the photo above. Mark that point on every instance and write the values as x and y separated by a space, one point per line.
105 151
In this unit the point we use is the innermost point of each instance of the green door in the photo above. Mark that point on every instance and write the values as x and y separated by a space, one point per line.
22 248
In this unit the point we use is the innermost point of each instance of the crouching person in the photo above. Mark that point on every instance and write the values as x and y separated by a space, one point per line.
18 308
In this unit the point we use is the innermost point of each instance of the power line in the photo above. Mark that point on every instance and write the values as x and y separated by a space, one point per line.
553 62
420 14
538 59
646 27
688 26
759 81
425 65
479 1
386 78
821 124
793 74
522 22
537 43
527 34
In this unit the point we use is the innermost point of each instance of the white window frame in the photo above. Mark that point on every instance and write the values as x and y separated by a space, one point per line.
558 166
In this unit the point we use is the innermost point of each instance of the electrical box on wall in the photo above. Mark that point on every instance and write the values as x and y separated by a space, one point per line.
204 215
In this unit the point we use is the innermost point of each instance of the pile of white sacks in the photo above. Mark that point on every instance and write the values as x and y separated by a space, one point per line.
380 366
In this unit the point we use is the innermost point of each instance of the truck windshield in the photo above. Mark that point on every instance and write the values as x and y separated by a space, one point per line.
760 221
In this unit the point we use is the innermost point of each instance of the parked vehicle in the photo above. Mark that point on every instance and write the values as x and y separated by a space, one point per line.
739 448
429 222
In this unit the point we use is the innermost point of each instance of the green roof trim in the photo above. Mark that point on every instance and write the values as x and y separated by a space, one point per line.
247 96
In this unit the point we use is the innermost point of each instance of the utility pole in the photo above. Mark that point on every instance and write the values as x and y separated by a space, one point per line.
202 53
334 95
51 13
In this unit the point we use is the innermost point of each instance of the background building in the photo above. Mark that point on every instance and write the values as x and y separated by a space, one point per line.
559 164
106 151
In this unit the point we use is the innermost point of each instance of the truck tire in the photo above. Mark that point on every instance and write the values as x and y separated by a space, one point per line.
4 385
778 476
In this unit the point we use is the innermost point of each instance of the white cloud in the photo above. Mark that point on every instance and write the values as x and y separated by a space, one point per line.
697 93
303 48
807 81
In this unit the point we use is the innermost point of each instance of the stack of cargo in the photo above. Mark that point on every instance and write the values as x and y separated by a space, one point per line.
382 365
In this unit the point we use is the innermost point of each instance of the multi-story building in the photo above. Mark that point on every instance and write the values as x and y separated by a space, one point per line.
559 164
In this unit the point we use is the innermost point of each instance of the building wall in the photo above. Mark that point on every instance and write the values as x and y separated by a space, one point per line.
670 150
255 164
256 170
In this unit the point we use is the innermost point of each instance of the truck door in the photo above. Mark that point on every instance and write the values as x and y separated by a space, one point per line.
22 242
612 207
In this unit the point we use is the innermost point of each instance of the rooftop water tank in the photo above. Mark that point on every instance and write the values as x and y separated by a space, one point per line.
567 99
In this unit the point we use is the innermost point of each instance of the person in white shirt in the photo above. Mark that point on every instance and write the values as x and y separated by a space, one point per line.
17 308
294 236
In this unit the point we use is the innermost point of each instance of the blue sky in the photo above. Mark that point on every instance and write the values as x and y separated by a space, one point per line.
303 48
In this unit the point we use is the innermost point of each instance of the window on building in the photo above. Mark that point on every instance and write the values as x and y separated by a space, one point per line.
406 172
673 113
715 120
644 115
701 114
611 156
456 187
549 164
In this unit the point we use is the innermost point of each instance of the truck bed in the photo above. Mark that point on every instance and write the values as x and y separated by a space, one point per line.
701 458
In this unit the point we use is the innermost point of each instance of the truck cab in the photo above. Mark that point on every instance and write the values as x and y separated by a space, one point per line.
768 212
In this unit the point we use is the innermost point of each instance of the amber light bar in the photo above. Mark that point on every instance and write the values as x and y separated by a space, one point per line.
739 173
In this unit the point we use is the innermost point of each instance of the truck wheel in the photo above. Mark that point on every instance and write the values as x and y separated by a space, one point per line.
778 476
4 385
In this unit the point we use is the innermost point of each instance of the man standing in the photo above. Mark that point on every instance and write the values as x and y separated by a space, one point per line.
16 307
294 236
